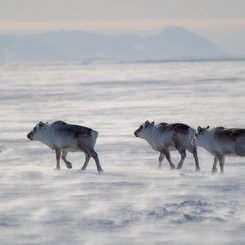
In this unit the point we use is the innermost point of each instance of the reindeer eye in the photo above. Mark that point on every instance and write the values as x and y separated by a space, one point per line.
141 127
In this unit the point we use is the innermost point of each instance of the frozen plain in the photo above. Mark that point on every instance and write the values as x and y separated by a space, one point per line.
132 202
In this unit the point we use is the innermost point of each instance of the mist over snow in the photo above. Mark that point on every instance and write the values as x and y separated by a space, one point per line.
170 44
132 202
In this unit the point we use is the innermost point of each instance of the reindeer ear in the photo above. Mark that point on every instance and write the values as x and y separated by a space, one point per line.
199 130
207 127
147 123
153 123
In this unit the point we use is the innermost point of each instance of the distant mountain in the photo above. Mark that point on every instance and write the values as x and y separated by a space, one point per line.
179 43
172 43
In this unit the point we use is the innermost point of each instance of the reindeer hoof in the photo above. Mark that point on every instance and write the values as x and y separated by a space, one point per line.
69 165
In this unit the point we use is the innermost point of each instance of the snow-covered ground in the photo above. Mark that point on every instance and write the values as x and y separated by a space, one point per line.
132 202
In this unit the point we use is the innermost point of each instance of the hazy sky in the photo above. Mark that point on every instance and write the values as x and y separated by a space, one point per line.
222 21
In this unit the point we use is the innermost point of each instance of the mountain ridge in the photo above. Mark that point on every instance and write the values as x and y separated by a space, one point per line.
172 43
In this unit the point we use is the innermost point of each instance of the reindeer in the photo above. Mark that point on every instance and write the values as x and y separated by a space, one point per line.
221 142
165 137
64 138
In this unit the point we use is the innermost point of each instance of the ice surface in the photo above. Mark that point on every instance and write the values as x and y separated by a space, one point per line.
132 202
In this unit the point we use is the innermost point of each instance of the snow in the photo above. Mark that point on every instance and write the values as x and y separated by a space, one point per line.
132 202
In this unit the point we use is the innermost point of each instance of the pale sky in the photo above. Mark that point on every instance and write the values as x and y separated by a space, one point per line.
221 21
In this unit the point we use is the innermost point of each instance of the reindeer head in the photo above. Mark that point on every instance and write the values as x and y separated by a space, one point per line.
200 135
36 132
144 129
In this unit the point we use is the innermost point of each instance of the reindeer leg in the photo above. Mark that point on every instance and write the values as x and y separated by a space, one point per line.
196 159
94 155
161 158
87 158
183 156
58 154
221 163
214 169
167 154
88 149
193 150
68 164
